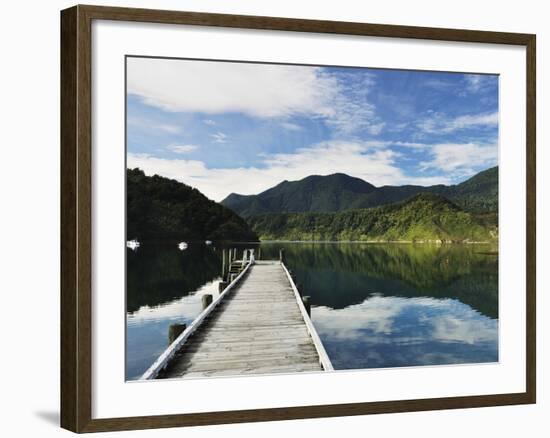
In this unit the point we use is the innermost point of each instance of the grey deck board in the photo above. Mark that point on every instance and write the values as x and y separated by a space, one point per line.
258 329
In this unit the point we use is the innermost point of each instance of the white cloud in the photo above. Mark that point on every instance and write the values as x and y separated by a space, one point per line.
182 149
388 143
478 83
208 87
438 84
373 164
263 91
219 137
152 126
209 122
290 126
440 124
461 159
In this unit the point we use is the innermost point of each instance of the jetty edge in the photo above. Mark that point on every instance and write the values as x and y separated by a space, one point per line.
258 324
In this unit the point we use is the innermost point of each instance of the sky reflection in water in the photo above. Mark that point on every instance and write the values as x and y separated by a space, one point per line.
372 305
395 331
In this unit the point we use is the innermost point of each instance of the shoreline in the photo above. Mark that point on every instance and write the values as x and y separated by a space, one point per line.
430 242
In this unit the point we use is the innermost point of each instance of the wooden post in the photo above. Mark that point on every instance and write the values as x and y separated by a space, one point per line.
206 300
307 304
222 285
223 263
174 331
232 277
259 253
282 255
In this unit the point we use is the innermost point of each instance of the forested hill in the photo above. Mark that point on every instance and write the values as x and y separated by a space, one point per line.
315 193
339 192
425 217
161 208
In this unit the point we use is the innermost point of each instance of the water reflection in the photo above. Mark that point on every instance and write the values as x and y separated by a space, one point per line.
147 328
395 331
373 305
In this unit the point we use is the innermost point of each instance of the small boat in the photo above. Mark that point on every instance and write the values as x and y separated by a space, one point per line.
208 242
182 246
132 244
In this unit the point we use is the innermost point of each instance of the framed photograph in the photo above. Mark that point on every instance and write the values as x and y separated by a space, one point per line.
270 218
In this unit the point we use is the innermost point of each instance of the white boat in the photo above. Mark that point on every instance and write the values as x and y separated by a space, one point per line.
208 242
182 246
132 244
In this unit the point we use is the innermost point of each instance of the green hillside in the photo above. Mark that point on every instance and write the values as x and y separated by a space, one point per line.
161 208
315 193
425 217
339 192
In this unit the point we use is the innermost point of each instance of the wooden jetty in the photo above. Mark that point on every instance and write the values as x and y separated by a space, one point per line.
259 324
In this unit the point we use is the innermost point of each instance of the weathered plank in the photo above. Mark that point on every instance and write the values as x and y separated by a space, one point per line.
261 327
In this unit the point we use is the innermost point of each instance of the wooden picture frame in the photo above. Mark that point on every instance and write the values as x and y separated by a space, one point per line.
76 217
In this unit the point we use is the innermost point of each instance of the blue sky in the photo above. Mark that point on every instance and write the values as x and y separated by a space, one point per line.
227 127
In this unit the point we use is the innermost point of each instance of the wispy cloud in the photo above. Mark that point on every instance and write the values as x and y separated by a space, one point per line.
290 126
372 163
263 91
438 123
182 149
438 84
461 159
209 122
219 137
352 112
389 143
474 83
260 91
154 126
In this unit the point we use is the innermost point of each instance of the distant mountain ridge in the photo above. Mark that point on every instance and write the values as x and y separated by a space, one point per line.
426 217
339 192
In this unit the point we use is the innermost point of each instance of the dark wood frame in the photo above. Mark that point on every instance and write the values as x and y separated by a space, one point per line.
76 238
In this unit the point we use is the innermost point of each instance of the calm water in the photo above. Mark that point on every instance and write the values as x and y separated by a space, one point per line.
373 305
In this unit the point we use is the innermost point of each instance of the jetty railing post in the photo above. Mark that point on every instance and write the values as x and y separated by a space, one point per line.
174 331
307 304
223 263
282 255
206 300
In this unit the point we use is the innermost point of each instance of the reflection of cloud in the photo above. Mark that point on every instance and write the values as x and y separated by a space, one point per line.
187 307
463 328
375 314
407 321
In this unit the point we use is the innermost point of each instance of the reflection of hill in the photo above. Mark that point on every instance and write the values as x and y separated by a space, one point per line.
158 274
444 271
